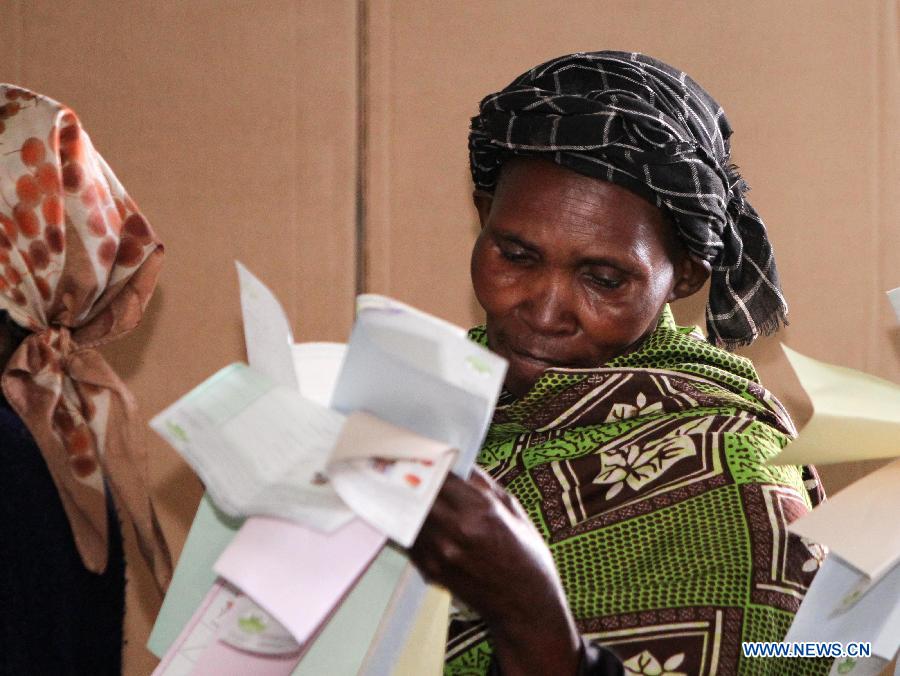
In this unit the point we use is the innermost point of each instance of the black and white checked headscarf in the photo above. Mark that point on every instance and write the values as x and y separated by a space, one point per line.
637 122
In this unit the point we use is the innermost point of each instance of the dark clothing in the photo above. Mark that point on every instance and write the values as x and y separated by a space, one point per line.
57 617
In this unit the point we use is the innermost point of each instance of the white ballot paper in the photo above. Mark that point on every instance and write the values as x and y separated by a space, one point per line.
894 297
418 393
259 448
267 332
317 366
856 416
419 373
873 617
856 594
859 523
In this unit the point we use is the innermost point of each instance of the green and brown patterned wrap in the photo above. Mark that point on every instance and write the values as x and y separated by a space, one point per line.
647 479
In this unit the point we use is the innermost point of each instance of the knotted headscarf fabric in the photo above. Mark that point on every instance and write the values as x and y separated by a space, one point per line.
637 122
78 264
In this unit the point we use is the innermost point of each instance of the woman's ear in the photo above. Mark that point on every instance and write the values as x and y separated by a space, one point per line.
690 276
483 201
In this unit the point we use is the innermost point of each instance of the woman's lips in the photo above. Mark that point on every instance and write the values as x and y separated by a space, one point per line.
536 359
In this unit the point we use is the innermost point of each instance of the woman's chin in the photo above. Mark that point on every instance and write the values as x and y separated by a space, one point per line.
520 378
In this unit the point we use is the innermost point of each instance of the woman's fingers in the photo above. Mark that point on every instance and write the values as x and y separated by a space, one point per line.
475 539
467 510
481 479
426 552
461 493
461 523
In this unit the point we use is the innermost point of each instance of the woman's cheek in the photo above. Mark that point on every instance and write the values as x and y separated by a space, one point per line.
494 280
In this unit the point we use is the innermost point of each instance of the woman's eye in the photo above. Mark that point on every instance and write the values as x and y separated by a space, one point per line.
515 255
604 282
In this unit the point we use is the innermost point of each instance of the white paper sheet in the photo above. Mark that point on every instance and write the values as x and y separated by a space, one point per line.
858 666
447 396
859 523
387 474
317 366
259 449
875 617
267 332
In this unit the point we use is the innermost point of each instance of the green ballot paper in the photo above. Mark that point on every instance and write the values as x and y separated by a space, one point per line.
209 535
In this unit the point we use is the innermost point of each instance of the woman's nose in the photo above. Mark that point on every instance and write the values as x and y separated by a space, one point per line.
550 305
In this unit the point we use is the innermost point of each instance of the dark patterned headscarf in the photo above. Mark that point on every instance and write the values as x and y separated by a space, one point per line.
637 122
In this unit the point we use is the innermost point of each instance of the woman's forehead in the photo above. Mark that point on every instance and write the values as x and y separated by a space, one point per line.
538 198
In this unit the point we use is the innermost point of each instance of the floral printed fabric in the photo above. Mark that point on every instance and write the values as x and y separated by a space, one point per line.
78 263
647 479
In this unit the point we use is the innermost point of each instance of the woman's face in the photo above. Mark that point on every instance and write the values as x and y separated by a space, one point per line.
571 270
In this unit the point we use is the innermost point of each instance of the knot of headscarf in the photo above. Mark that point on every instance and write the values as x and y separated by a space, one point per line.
53 361
78 264
634 121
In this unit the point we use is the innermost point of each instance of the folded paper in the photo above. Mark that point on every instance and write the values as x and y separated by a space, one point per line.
340 647
420 373
229 635
296 573
413 396
262 448
259 448
874 617
400 470
856 416
855 525
855 596
266 450
267 331
210 533
859 666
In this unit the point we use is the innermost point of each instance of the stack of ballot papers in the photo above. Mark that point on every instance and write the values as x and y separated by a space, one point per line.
855 596
331 451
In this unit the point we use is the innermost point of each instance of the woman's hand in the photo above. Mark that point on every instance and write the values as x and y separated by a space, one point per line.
479 543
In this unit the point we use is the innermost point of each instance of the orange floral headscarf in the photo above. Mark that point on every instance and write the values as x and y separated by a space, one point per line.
78 264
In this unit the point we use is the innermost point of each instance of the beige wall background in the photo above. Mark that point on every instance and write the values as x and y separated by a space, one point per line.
323 143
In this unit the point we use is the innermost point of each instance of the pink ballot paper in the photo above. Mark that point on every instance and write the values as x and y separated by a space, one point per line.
296 573
296 577
229 635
